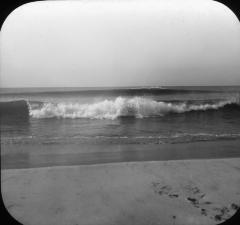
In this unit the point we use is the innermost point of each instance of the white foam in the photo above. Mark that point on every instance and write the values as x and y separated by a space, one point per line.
138 107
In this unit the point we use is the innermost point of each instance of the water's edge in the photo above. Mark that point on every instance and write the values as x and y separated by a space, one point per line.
125 153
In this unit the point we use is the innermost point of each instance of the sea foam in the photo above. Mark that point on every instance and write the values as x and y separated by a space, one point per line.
138 107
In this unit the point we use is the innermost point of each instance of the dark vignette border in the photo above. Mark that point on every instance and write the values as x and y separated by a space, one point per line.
7 6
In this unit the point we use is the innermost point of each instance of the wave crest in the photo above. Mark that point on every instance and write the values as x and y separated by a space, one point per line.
138 107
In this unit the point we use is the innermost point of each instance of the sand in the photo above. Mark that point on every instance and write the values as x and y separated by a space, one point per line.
133 193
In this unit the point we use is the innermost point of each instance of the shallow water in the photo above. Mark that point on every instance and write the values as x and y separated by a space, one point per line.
117 117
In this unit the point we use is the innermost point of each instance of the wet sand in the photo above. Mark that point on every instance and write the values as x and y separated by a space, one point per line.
136 193
31 156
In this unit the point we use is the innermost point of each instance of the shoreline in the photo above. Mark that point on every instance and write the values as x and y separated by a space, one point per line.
137 193
34 156
120 163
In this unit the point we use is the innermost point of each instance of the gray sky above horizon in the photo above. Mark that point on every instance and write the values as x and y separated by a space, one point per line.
110 43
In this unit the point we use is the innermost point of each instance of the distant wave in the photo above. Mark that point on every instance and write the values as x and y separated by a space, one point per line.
129 91
137 107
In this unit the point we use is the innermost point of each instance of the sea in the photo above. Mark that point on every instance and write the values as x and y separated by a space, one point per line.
61 126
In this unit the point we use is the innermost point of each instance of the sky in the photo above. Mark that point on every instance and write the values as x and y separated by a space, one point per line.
127 43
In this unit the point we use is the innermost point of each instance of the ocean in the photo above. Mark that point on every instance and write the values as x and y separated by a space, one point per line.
45 126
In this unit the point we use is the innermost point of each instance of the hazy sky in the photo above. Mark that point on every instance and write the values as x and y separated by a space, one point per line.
112 43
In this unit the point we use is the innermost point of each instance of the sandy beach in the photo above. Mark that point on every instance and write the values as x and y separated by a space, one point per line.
164 192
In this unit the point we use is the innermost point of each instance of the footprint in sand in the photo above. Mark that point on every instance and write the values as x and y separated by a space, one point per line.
235 206
193 201
164 190
204 212
194 190
173 195
207 203
194 195
224 213
161 189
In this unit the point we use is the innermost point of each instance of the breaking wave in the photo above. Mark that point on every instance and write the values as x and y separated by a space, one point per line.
138 107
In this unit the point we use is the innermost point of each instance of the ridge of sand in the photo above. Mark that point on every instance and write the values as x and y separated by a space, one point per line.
134 193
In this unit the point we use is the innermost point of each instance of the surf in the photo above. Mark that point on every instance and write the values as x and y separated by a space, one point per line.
119 107
137 107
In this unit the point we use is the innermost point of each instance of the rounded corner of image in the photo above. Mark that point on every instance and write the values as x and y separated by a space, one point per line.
13 11
8 215
227 9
